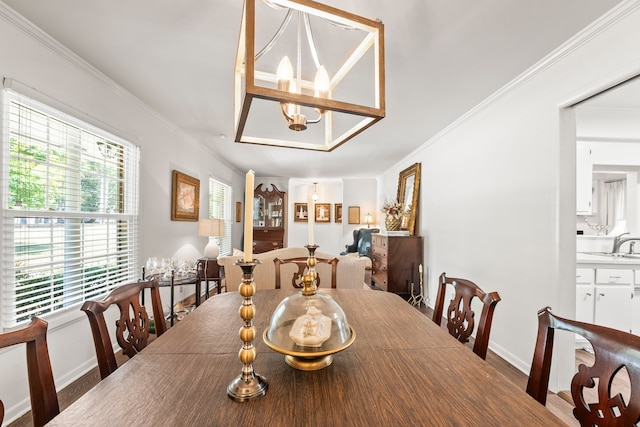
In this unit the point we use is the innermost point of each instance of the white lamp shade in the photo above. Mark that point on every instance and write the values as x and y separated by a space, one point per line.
212 228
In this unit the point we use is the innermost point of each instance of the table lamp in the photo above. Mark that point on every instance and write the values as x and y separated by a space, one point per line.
212 228
368 219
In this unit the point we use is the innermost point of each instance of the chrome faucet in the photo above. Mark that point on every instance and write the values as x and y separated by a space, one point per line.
619 241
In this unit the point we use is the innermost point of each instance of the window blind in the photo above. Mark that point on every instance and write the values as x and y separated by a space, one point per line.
220 196
70 210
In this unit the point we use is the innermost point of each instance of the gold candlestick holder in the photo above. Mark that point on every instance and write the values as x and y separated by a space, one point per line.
310 280
248 385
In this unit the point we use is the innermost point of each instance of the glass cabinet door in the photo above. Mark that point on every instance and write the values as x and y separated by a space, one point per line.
259 211
268 209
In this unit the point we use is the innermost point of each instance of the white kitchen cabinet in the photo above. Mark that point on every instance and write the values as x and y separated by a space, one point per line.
585 303
585 291
604 297
584 184
613 298
613 306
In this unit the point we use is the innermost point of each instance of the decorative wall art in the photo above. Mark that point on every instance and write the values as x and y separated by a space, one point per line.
323 212
354 214
337 216
301 212
238 211
185 197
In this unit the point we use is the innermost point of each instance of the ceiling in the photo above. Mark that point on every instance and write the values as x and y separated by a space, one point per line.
443 57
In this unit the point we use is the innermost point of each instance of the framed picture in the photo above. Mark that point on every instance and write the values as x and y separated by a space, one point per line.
185 197
301 212
354 214
323 212
337 215
238 211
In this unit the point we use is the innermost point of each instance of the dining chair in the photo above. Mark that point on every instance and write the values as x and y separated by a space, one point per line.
301 266
615 352
460 315
132 327
42 389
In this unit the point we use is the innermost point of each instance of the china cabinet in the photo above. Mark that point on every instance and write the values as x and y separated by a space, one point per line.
269 217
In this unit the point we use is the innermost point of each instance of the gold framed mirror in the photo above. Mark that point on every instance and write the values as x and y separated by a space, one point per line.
408 195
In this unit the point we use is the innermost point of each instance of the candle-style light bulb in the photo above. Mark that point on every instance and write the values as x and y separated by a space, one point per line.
321 83
284 74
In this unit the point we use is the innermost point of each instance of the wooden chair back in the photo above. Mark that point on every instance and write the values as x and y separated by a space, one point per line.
616 353
42 389
132 327
301 267
461 317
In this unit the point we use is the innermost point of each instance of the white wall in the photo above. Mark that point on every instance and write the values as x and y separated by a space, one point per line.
327 235
498 187
52 74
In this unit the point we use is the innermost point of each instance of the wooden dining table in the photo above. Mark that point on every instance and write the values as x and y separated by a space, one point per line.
401 370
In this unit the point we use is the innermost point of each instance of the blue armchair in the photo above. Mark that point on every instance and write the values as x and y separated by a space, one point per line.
361 242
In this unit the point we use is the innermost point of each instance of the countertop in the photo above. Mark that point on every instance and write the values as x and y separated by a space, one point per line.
592 260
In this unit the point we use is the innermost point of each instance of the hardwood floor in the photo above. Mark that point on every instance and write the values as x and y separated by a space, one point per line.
558 404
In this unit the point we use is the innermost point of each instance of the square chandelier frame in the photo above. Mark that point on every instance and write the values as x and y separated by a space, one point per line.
248 80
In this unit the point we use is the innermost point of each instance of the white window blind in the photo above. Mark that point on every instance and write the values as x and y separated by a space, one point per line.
69 210
220 196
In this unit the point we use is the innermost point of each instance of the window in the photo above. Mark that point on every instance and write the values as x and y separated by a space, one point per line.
69 211
220 208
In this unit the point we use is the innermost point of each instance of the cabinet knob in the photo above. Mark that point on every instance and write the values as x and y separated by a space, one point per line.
601 295
588 294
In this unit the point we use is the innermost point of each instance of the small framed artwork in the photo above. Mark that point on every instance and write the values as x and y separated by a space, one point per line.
337 215
323 212
238 211
185 197
354 214
301 212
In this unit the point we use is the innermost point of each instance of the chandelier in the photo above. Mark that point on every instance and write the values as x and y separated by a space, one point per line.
317 80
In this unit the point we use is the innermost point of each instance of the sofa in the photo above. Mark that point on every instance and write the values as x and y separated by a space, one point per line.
350 270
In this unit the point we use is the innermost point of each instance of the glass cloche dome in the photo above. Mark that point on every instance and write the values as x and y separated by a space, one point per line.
308 327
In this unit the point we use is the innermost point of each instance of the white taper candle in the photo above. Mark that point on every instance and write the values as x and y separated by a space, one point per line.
248 216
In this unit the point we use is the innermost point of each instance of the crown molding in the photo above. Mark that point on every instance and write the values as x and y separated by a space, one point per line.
602 24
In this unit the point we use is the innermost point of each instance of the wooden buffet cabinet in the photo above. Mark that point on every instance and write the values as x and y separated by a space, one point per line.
395 262
269 218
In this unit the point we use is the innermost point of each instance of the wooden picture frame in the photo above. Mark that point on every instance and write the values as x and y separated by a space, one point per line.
322 212
300 212
185 197
337 214
238 211
354 214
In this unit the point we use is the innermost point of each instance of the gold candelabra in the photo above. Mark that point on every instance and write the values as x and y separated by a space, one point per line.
248 385
417 300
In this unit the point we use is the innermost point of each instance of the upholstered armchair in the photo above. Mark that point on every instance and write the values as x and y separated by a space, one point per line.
361 242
